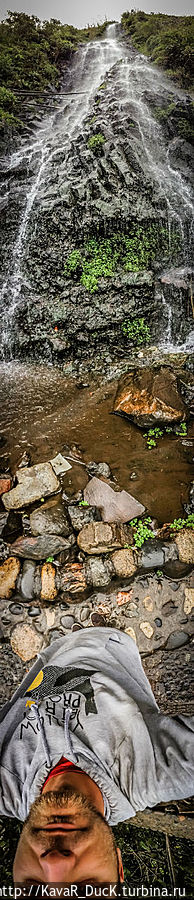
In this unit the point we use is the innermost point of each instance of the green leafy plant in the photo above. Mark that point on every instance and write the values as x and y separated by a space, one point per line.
152 436
178 524
142 531
159 573
96 142
50 559
181 429
136 331
133 252
83 503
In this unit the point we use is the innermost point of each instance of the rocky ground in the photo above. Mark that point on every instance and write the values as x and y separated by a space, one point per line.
69 564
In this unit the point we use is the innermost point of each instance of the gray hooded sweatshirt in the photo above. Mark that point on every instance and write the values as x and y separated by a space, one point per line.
87 698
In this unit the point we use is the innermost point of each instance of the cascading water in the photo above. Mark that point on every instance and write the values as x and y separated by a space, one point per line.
42 169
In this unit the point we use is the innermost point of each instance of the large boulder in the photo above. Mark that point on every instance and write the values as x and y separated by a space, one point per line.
98 538
114 506
33 484
150 396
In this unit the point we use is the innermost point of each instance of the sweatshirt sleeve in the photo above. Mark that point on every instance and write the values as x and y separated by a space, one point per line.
173 745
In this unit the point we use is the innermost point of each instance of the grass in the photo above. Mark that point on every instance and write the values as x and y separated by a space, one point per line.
143 852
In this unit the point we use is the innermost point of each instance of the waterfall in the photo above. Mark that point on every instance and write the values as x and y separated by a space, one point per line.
38 171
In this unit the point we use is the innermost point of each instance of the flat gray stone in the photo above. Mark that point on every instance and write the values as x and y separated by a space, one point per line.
49 519
115 506
33 483
27 582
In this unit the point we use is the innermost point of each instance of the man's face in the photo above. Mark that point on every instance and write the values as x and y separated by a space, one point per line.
65 840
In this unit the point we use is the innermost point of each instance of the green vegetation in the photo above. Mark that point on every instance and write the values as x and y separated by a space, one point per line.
142 531
153 434
32 58
168 40
181 429
83 503
96 142
132 252
178 524
136 331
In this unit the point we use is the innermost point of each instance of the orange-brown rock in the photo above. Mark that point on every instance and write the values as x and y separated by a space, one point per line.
124 563
9 572
5 485
48 587
150 396
185 543
73 581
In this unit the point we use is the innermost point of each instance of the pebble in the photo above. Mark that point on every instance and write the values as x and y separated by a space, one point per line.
76 627
34 611
169 608
124 597
54 635
25 642
158 622
147 629
131 633
148 603
85 612
97 619
67 621
16 609
177 639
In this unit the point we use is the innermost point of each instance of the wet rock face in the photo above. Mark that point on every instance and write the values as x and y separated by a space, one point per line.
149 397
82 194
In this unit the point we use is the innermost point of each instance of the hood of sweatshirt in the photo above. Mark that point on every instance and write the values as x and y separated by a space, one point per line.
87 698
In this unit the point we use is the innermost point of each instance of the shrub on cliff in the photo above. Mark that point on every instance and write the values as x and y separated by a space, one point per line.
168 40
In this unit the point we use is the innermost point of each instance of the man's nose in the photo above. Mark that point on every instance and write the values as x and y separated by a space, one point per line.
56 866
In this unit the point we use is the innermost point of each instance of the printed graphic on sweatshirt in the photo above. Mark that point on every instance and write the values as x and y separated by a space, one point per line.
53 679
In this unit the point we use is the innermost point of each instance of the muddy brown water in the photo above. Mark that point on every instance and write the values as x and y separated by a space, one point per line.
42 410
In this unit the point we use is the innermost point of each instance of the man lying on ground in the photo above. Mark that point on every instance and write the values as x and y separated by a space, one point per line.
83 747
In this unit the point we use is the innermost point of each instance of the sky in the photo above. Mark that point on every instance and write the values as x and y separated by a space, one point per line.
82 12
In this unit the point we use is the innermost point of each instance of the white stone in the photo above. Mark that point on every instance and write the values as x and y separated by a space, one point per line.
60 464
147 629
189 600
